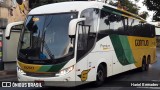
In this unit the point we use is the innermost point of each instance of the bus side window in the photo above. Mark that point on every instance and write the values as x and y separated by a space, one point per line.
105 26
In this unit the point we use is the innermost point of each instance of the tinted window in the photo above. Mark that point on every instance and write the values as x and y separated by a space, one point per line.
116 24
110 24
46 37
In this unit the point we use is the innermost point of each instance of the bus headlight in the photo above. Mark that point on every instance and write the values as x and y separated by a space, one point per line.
20 71
65 71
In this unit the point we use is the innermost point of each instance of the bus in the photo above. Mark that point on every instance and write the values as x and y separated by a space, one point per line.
79 42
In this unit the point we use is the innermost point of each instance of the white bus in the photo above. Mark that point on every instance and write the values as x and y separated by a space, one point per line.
81 42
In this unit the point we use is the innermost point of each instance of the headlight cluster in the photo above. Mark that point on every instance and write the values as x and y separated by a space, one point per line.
65 71
20 71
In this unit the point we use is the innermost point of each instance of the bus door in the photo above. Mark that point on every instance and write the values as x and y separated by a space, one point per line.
82 53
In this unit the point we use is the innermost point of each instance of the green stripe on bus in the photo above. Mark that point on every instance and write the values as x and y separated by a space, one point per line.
44 68
127 49
122 49
57 67
112 11
51 68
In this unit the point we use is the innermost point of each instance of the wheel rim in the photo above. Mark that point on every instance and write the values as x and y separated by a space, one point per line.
100 75
148 62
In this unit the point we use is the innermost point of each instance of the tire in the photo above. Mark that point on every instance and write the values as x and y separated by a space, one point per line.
100 77
147 64
144 65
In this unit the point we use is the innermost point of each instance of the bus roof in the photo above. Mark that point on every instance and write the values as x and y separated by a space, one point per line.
64 7
72 6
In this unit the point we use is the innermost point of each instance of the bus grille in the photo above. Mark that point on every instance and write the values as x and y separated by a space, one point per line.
41 74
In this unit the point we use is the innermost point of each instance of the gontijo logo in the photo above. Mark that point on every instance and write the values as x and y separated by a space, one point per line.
28 67
140 42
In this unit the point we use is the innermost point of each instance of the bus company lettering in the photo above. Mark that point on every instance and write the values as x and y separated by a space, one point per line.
139 42
105 47
28 67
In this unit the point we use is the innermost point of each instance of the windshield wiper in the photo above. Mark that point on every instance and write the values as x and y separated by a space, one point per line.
48 50
43 44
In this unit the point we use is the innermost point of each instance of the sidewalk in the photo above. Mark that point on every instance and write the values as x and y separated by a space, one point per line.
7 74
9 71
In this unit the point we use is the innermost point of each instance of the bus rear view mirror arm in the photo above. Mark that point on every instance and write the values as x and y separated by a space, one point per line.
9 27
73 25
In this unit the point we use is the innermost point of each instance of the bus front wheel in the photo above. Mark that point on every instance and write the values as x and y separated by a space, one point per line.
101 74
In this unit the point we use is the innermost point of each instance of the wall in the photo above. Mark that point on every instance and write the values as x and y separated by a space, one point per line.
18 10
10 47
12 11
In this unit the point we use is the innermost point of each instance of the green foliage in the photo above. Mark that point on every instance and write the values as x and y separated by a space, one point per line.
133 8
144 15
128 4
154 5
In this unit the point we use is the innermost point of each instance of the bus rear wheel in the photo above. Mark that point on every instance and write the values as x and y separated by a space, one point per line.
101 74
145 64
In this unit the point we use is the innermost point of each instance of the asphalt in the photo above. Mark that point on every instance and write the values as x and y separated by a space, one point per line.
7 74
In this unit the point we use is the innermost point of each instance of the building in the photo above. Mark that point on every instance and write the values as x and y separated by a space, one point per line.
10 11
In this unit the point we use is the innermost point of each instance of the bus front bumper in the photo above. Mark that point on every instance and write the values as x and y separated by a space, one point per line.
67 80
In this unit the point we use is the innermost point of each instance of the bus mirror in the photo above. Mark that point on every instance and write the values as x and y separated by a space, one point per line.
9 27
72 26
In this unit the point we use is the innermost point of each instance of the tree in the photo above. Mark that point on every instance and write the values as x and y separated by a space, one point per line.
129 6
154 5
126 4
144 14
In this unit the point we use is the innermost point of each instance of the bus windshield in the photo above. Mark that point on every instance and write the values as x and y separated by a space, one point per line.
46 37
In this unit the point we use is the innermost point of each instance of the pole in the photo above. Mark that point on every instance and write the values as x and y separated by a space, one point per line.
1 44
1 51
